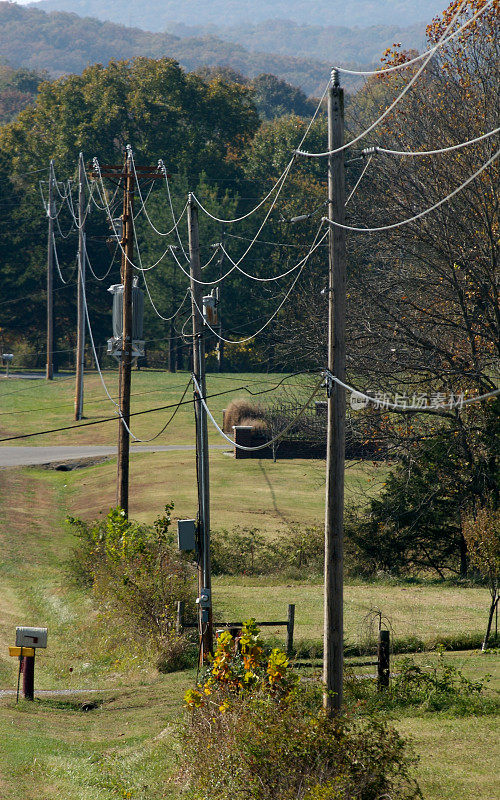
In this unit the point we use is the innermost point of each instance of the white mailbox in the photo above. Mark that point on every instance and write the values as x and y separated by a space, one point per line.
31 637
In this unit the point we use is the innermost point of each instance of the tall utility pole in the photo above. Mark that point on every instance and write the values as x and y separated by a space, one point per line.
49 373
202 463
125 374
117 174
80 332
335 454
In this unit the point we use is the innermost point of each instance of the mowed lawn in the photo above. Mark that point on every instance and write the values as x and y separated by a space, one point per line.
427 612
28 406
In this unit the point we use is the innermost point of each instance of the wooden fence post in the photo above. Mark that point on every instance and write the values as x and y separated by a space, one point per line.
289 629
383 656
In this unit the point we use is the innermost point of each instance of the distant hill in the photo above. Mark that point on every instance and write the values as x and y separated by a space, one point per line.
332 43
157 15
63 43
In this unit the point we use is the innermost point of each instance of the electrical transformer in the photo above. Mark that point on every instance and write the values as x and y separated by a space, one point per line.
115 343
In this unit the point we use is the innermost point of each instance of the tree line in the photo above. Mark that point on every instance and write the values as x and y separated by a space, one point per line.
422 316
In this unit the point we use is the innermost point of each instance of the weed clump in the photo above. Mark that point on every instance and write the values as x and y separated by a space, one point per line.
254 731
439 688
137 576
242 412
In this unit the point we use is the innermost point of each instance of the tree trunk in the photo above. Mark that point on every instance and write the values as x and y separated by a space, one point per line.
464 561
494 603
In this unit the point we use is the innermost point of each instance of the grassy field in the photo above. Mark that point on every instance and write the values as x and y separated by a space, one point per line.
427 612
126 746
27 406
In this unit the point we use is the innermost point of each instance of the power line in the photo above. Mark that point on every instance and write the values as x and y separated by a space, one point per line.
279 183
247 339
141 413
392 105
422 213
400 407
271 441
432 50
372 150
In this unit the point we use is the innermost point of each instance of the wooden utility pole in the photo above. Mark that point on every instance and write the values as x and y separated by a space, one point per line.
49 374
335 454
125 369
127 174
80 326
202 461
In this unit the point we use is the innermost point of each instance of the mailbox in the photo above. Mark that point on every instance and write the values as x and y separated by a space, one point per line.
186 529
31 637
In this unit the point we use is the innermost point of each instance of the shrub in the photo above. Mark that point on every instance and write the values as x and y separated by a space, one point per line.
241 409
256 733
299 552
137 577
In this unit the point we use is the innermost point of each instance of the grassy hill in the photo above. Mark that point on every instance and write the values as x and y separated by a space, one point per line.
115 732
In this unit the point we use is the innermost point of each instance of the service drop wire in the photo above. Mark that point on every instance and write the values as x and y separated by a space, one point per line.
422 213
314 246
280 180
432 50
271 441
400 407
387 111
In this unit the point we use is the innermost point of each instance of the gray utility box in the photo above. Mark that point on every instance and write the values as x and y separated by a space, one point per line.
31 637
186 531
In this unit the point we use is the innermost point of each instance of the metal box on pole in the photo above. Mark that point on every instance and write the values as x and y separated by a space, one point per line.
186 533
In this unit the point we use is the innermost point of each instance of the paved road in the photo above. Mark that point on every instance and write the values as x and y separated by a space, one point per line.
31 456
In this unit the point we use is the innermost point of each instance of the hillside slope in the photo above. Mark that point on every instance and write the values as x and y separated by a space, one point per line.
63 43
157 14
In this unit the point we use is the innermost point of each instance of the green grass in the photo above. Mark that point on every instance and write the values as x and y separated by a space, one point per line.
427 612
27 406
127 746
250 493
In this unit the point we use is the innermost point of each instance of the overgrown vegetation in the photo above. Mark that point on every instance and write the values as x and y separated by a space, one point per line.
299 552
137 577
255 731
440 687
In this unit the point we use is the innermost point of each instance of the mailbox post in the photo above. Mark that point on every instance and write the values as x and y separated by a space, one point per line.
27 640
7 360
